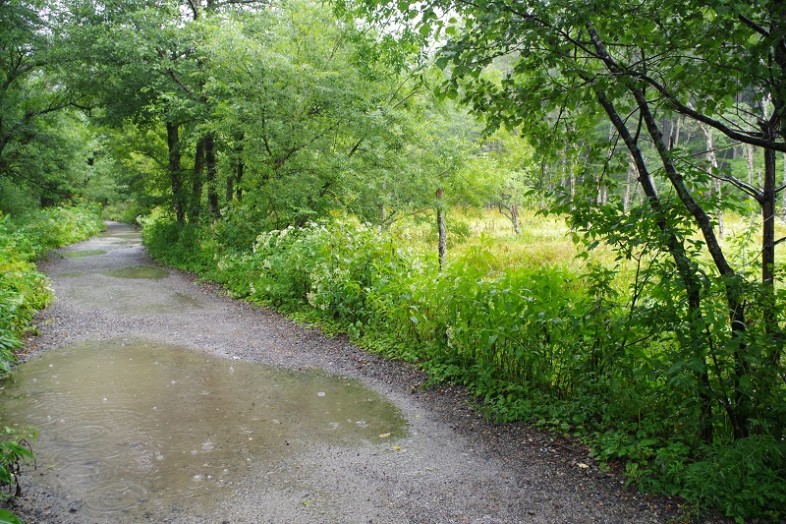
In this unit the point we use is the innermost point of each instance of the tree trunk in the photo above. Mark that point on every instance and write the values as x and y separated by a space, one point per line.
747 152
739 412
229 194
240 167
602 197
783 183
175 170
240 170
666 129
197 181
545 183
514 217
768 239
212 175
677 131
572 182
442 246
685 267
568 174
712 160
630 183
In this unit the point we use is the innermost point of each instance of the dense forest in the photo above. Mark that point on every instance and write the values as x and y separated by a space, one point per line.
574 209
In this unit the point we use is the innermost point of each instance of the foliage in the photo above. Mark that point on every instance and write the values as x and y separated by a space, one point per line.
177 244
14 450
6 517
743 479
23 290
41 137
266 130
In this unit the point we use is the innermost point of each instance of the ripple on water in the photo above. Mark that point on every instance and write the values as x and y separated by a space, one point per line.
113 495
84 434
130 428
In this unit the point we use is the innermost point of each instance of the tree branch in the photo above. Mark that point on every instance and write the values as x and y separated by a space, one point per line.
753 25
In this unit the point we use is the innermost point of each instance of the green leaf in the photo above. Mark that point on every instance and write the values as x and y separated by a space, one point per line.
6 517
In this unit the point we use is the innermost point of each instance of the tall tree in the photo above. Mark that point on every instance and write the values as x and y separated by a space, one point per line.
638 64
35 50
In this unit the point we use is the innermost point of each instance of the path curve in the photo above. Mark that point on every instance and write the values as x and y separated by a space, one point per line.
452 467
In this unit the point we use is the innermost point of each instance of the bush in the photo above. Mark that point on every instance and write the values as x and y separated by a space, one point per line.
183 245
23 290
744 479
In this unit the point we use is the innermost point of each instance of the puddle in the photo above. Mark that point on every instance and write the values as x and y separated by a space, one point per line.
137 429
150 272
83 253
137 300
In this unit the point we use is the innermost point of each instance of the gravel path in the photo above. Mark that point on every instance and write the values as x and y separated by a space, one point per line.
452 466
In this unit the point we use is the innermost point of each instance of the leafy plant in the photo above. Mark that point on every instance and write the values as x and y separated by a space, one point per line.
14 451
23 290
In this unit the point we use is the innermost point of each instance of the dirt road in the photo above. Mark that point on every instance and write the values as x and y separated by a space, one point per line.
449 466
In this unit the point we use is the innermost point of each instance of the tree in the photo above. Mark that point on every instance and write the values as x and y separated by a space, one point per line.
635 64
34 52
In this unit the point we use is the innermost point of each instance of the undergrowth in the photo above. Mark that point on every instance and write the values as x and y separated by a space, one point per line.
24 290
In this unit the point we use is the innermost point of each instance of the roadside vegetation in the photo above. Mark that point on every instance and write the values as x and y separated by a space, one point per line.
23 289
574 209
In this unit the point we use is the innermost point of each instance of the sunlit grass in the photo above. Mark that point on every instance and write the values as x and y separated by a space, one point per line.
488 238
485 238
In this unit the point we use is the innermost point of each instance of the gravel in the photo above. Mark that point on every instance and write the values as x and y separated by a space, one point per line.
453 467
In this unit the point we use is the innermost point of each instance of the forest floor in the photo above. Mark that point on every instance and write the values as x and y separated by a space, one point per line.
452 466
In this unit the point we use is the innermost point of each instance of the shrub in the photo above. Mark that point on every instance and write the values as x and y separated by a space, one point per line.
23 290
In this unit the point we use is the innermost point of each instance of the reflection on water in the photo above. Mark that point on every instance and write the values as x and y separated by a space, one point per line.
134 428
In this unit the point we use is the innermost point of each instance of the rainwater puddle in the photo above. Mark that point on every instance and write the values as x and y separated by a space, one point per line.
150 272
135 428
138 299
83 253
